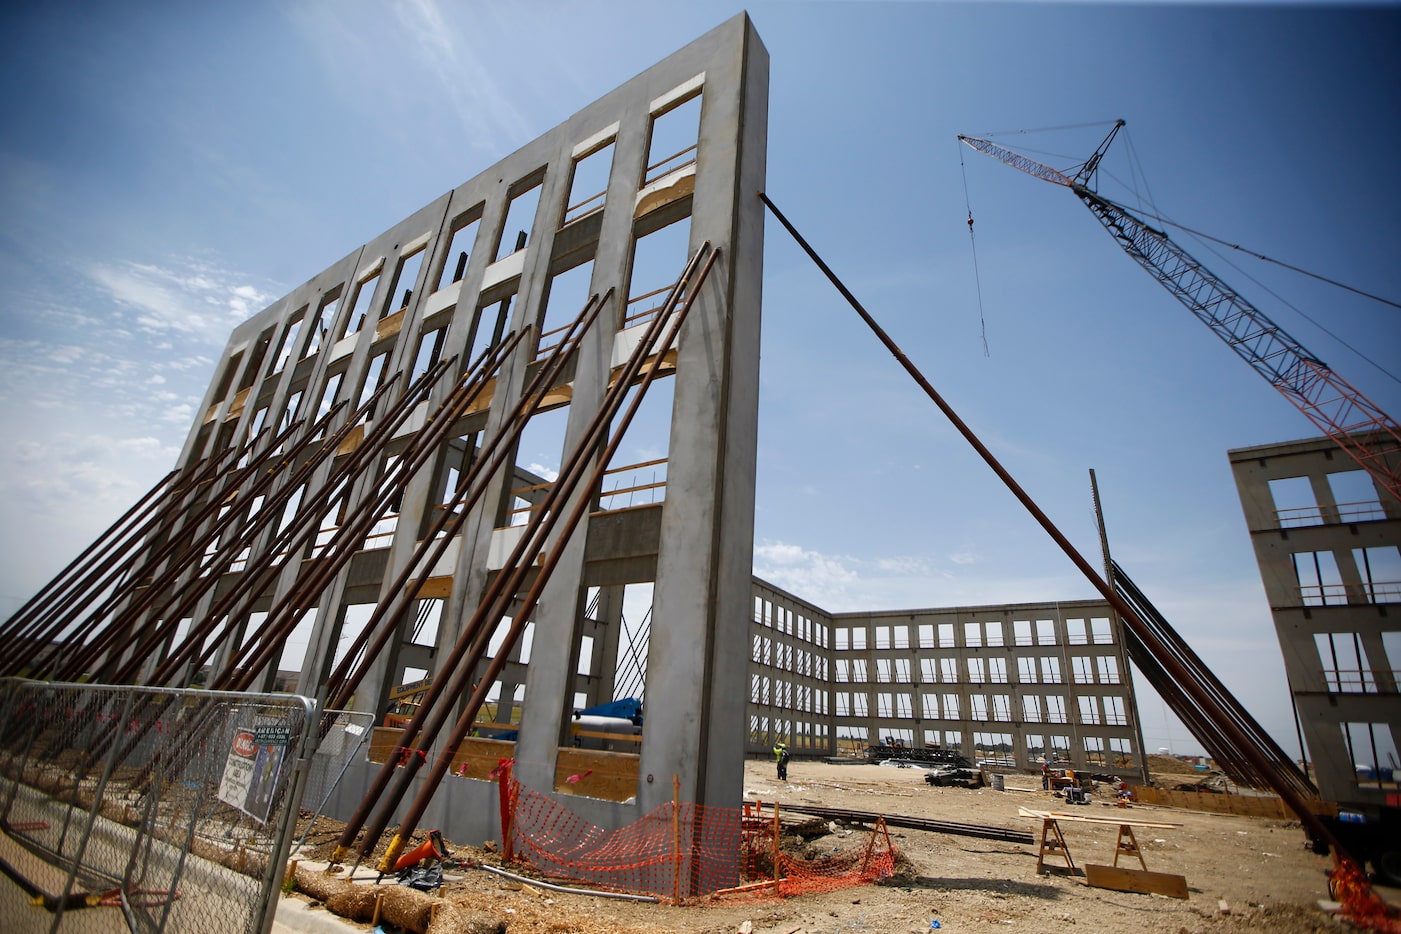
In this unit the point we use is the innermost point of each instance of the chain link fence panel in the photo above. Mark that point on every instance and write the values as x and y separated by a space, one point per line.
345 737
145 809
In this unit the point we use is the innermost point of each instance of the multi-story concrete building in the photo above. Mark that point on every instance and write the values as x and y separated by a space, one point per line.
1006 685
363 545
1328 542
604 211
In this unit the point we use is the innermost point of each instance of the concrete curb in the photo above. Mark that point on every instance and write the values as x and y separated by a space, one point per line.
294 915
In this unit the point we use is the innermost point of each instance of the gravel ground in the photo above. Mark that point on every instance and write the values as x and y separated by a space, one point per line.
1242 873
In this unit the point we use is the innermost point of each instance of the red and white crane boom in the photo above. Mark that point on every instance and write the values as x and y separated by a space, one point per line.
1337 408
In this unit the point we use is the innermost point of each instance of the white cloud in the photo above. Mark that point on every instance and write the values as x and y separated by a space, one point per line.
540 470
823 579
903 566
96 470
178 414
441 52
475 95
186 296
844 583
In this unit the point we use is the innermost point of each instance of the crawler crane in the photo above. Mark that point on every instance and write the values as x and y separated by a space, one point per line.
1366 433
1362 430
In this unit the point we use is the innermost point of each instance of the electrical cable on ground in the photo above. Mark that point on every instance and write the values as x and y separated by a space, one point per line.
568 890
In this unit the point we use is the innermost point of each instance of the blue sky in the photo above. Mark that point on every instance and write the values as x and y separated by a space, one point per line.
166 170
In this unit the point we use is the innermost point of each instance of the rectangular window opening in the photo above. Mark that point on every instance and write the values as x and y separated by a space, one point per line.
1380 572
1320 583
1355 493
325 320
1346 669
1075 633
360 307
255 360
539 453
289 413
430 351
1294 502
1100 631
464 236
1021 630
520 217
588 184
287 345
1372 750
375 375
658 260
405 279
673 139
565 297
492 321
637 473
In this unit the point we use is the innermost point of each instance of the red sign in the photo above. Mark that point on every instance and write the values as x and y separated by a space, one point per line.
243 744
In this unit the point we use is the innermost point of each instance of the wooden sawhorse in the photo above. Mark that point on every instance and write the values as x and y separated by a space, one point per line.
1126 845
1053 844
1121 878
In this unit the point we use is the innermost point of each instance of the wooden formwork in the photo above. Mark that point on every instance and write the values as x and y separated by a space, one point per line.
1269 806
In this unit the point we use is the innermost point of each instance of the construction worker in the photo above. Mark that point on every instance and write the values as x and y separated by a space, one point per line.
780 758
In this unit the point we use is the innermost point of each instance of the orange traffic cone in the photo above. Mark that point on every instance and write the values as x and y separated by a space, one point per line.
432 848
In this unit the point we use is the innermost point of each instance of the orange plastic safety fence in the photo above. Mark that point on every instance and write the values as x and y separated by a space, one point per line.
875 860
1361 905
679 852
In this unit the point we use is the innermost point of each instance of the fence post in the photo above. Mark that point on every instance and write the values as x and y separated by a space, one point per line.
676 837
503 783
777 832
291 807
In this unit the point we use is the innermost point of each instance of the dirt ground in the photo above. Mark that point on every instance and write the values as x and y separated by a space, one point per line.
1242 873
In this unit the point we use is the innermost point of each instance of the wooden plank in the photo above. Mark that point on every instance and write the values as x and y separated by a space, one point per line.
478 757
351 441
1087 819
611 737
435 588
388 327
1123 879
239 401
384 743
597 774
1269 806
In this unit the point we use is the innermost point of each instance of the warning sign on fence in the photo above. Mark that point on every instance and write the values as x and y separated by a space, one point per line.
252 770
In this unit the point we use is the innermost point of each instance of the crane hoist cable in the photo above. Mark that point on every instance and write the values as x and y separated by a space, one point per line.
1261 256
1380 368
977 279
1356 424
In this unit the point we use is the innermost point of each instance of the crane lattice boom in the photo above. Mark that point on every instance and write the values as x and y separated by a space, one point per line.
1335 406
